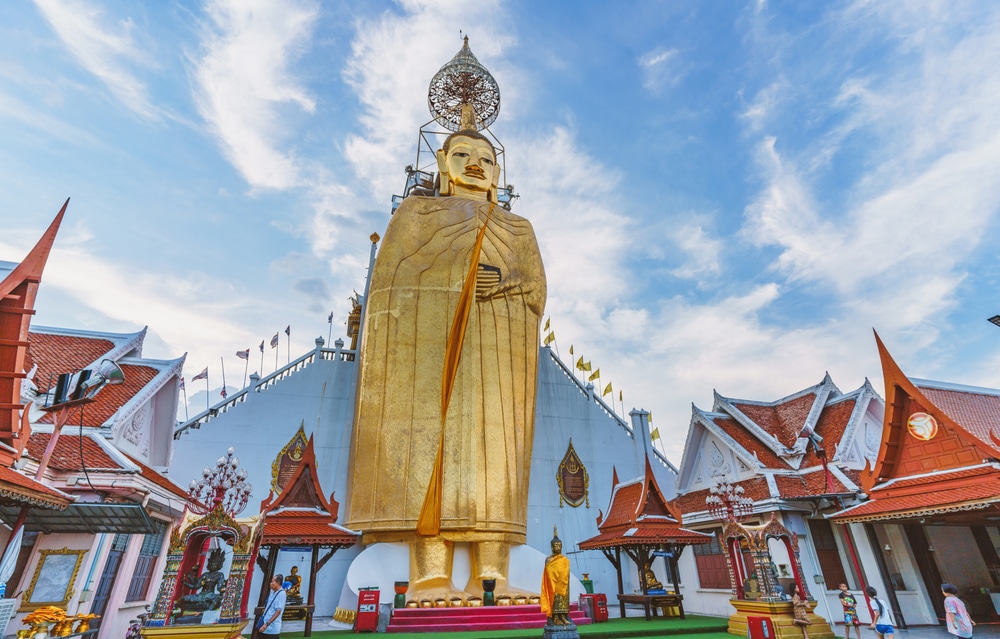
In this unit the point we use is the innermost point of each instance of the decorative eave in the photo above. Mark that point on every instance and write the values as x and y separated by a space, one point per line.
20 489
167 370
866 394
747 456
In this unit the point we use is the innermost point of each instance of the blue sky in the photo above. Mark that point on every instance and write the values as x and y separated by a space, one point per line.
727 196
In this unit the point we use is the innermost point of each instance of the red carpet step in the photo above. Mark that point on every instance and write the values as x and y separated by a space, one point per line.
483 618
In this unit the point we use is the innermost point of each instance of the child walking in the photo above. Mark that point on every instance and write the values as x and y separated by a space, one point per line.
882 625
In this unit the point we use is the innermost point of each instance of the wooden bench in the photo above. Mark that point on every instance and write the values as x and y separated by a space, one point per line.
651 602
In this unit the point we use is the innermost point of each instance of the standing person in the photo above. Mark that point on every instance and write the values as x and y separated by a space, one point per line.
270 620
850 605
800 610
882 625
956 616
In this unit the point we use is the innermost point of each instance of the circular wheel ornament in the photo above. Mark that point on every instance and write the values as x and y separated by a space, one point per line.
463 81
922 426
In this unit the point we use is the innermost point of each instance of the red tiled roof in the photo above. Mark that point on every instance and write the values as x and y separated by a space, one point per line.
755 488
978 413
924 502
111 398
66 456
305 533
646 535
735 430
927 480
784 420
57 354
624 502
160 480
808 485
22 489
830 426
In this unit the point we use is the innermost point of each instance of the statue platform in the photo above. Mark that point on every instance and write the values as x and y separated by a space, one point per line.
780 613
479 619
195 631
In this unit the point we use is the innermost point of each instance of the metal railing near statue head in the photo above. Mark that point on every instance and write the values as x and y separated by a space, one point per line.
758 581
422 177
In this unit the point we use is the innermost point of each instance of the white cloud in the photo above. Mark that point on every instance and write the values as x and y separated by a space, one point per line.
103 48
700 250
763 105
244 80
660 69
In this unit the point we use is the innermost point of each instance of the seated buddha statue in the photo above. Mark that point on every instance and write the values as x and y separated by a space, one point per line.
209 586
294 592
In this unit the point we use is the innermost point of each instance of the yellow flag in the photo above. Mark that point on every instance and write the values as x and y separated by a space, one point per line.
570 349
655 434
547 324
650 417
595 375
579 363
551 337
586 366
608 389
620 396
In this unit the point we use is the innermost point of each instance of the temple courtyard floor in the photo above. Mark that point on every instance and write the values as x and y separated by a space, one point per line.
699 627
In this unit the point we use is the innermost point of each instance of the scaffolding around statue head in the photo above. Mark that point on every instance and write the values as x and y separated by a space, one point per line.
462 96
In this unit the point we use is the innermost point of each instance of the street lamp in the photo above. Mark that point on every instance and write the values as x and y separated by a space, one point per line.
72 390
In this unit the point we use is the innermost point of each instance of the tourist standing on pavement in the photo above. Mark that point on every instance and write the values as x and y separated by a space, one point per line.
270 620
956 616
882 625
850 605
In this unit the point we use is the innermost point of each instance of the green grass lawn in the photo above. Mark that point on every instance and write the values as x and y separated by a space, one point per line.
702 627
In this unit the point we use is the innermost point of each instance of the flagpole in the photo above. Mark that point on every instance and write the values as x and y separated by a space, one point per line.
246 369
208 406
185 390
276 353
261 357
288 347
223 377
329 320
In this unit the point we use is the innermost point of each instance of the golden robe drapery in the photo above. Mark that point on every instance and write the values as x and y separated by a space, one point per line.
414 291
555 586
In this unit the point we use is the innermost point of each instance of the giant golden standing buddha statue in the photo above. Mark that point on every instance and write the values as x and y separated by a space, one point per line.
445 407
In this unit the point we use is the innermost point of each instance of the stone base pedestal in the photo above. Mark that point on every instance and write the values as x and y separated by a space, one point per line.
781 616
555 631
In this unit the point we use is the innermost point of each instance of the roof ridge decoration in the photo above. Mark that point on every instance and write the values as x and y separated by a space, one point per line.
302 483
17 303
865 395
894 428
165 371
739 449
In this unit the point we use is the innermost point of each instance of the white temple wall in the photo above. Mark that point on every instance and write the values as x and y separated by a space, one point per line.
322 396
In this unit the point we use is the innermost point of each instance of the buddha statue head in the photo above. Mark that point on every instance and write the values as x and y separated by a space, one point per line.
556 542
468 166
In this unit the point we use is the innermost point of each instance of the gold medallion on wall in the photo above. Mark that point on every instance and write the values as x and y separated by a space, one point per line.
574 483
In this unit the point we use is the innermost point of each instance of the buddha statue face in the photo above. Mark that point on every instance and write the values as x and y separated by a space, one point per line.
556 547
468 167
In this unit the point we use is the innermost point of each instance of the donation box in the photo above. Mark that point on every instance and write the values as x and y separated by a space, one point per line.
598 605
367 618
760 628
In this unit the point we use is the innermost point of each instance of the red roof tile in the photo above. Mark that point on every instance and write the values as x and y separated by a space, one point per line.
830 426
57 354
924 502
22 489
306 533
735 430
978 413
784 420
111 398
646 535
755 488
624 503
808 485
927 480
66 456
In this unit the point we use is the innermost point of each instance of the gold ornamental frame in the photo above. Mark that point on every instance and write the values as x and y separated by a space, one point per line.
50 578
571 464
296 445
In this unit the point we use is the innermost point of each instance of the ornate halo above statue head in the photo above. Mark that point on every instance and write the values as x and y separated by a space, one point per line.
463 94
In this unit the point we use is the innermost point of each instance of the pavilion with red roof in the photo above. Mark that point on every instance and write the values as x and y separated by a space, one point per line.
299 515
937 480
643 524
